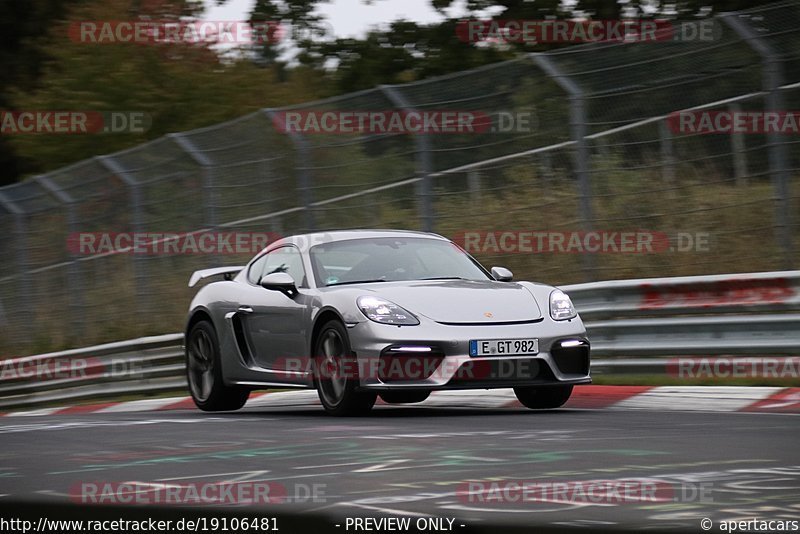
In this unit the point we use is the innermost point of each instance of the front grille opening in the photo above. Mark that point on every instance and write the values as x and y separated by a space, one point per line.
398 365
502 370
571 360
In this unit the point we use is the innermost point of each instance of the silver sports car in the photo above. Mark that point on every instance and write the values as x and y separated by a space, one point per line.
357 314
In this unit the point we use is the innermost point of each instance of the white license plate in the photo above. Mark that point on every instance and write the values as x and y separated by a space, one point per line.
503 347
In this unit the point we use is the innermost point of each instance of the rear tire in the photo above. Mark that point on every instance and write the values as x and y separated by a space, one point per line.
204 372
403 397
336 377
543 397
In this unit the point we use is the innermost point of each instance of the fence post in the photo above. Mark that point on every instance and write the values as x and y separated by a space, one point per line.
75 271
135 196
667 156
546 170
738 148
474 184
266 171
302 160
772 80
24 295
578 122
205 163
423 160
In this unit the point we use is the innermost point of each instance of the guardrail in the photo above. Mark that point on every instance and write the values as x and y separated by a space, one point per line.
688 295
737 315
148 365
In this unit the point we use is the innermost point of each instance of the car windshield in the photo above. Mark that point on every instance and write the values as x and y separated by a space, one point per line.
390 259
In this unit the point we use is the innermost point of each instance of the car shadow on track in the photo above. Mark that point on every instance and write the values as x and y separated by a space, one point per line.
386 412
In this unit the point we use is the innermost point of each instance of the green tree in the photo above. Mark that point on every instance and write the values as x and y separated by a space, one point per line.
406 50
23 23
180 86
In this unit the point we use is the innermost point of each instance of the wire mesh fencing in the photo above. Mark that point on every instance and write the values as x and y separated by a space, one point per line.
574 165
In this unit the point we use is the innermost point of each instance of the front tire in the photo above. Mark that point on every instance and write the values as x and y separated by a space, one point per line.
336 377
538 398
204 372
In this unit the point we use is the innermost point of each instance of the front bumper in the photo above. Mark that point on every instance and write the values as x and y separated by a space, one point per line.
448 365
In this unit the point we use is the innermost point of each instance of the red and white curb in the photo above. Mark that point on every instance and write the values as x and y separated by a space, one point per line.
674 398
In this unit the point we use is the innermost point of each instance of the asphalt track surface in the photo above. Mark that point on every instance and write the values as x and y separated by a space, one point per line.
413 461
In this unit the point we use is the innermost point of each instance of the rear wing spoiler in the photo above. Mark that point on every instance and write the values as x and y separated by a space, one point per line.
228 272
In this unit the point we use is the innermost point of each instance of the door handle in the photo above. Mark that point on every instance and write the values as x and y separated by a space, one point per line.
245 309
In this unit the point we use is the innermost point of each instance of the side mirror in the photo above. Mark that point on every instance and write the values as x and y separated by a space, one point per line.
282 282
501 274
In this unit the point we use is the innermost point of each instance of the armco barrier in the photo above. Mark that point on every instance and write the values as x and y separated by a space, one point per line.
688 295
140 366
733 315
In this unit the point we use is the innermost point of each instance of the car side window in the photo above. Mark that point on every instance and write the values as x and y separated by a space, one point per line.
254 274
282 260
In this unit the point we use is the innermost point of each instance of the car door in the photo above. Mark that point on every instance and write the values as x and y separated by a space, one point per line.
275 322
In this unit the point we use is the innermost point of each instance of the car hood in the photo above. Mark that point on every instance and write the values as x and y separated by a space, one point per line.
463 301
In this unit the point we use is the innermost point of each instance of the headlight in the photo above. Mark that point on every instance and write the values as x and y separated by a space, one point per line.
561 307
385 312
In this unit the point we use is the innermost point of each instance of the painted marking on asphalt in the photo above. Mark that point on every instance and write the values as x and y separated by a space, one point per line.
435 435
497 398
685 398
77 425
285 398
385 466
277 451
144 405
84 408
578 523
383 510
181 403
347 428
328 466
782 402
241 476
34 413
602 396
694 398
